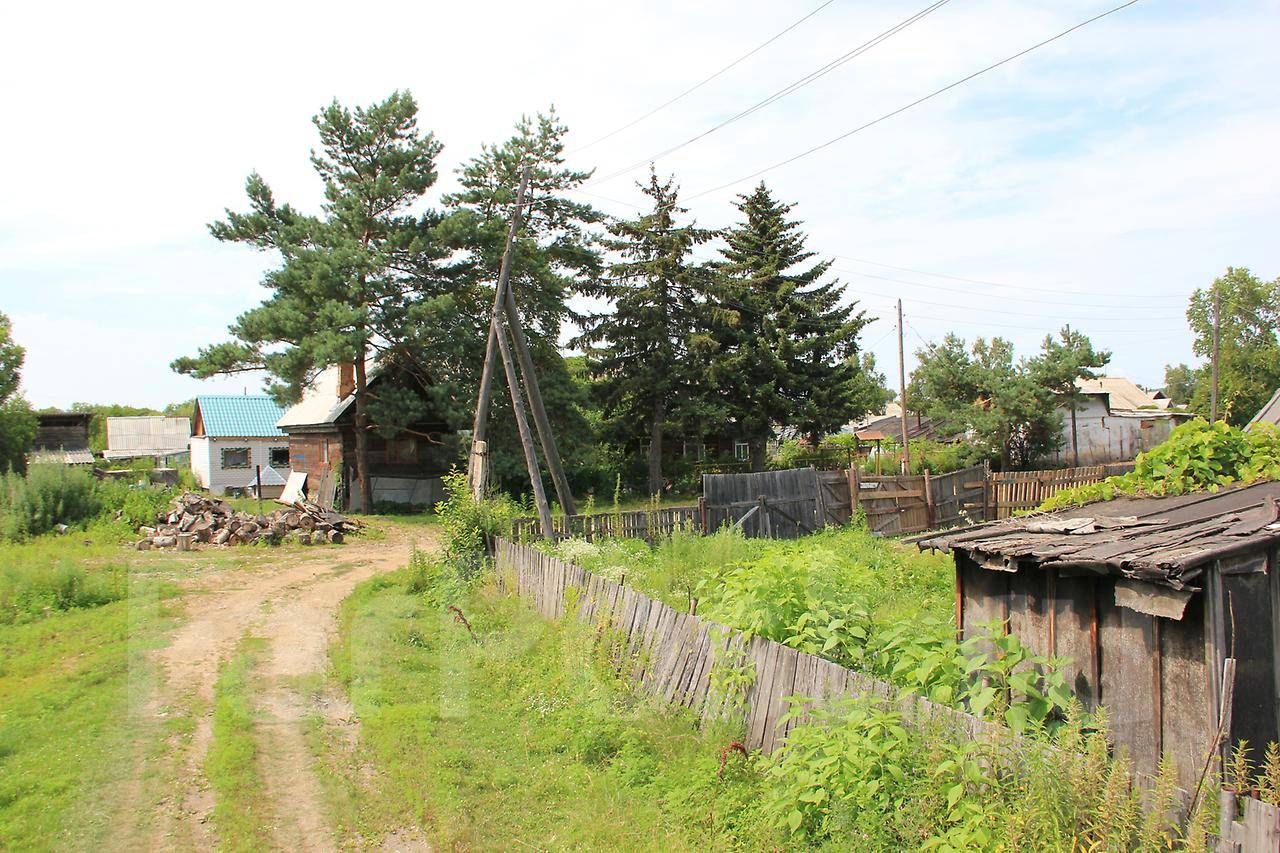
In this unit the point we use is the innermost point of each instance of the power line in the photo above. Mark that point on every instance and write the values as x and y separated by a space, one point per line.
785 90
1073 304
914 103
696 86
964 279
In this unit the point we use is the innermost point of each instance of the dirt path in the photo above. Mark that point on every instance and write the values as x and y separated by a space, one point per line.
291 604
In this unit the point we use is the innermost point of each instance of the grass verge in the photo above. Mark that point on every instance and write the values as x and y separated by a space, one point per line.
232 763
521 737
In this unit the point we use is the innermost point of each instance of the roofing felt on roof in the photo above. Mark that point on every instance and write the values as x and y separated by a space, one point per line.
239 416
1162 540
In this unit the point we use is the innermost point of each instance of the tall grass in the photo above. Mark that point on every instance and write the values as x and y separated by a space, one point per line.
48 495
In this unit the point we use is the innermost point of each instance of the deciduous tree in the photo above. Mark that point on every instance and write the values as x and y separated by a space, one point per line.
1249 349
17 422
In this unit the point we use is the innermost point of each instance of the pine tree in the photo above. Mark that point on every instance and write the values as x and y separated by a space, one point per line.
349 279
640 350
555 256
783 347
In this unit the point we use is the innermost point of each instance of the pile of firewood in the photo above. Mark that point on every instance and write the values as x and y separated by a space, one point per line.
197 518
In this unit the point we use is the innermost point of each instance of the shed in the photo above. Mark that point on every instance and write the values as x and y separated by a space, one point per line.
232 436
404 468
61 438
1147 597
147 435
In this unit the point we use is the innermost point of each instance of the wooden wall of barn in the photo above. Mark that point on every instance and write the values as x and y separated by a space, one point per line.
1159 679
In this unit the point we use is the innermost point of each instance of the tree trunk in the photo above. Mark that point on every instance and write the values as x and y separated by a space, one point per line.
362 440
757 454
1075 438
655 446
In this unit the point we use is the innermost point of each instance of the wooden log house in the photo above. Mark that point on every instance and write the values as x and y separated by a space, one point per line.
1147 598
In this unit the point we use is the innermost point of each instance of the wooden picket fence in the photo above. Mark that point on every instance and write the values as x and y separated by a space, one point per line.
648 524
1008 492
672 654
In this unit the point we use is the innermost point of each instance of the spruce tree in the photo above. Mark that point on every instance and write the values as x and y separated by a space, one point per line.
783 349
350 278
640 350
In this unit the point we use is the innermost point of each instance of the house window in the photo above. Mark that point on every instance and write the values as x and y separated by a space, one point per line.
694 450
741 451
235 457
278 457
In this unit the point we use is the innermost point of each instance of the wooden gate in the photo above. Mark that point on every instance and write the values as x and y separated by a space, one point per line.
769 504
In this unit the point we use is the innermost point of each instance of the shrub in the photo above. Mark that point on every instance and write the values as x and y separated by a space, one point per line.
468 523
31 588
1197 456
46 496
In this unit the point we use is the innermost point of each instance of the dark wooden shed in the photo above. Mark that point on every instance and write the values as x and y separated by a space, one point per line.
1147 597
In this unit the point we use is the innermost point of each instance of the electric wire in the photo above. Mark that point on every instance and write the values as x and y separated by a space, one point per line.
696 86
914 103
783 92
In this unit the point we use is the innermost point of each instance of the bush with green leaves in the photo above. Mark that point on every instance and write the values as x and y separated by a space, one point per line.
1197 456
48 495
468 523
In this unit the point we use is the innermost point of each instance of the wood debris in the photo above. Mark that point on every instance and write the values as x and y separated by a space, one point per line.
198 518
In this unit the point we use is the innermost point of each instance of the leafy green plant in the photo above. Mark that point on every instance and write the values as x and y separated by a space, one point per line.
468 523
1197 456
48 495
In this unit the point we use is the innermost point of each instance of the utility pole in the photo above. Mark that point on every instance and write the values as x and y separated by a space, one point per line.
526 439
1217 340
1073 402
902 396
478 463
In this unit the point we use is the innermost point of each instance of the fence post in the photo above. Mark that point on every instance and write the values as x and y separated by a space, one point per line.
988 491
928 500
702 515
854 477
766 524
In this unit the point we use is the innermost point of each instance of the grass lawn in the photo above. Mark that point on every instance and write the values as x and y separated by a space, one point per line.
519 737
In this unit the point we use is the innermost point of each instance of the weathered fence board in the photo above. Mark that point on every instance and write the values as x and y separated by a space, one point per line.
1011 491
647 524
773 504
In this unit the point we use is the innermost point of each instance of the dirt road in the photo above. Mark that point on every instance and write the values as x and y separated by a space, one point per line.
291 605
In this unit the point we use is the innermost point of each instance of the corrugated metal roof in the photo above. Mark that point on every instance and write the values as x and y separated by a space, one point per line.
146 435
1163 540
82 456
239 416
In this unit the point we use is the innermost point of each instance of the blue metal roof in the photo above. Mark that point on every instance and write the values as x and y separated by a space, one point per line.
239 416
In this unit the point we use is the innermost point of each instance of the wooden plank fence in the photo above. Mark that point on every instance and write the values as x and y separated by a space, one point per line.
1012 491
671 655
649 524
795 502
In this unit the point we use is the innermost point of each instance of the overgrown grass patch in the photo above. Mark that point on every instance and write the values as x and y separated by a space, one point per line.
75 730
521 737
240 811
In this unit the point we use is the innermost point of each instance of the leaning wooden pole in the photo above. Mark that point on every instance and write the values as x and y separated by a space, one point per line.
526 438
550 452
477 465
902 397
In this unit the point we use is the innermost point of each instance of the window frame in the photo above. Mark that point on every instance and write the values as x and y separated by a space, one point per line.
248 458
271 456
741 450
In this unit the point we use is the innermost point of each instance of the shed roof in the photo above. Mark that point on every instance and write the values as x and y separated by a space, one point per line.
1270 413
320 405
1161 540
238 416
1122 393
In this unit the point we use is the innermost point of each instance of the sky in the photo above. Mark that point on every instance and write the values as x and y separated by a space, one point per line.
1096 181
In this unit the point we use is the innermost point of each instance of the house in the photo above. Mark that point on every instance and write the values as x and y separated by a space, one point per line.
61 438
1268 414
233 436
1147 598
1114 421
888 424
405 468
144 436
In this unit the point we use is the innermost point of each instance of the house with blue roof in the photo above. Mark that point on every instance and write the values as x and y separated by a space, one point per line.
235 444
